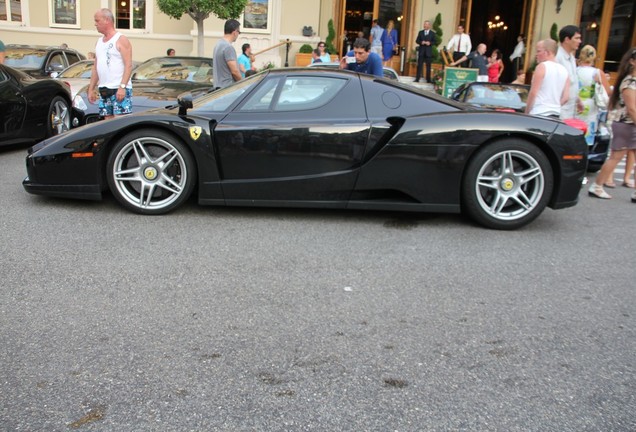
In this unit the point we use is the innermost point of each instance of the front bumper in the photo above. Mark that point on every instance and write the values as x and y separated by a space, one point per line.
86 192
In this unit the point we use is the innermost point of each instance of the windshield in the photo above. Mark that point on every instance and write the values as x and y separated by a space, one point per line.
220 100
175 69
26 58
78 70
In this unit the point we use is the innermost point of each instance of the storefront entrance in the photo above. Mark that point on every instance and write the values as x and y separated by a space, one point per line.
497 23
357 16
609 26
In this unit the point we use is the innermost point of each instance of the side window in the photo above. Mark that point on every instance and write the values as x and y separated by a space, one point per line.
72 58
222 99
262 98
305 93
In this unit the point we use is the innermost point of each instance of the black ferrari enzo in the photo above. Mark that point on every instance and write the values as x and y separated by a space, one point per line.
320 138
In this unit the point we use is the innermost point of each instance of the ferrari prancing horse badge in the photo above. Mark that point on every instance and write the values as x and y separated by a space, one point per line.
195 132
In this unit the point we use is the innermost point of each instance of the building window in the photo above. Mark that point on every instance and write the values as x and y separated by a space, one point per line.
621 33
130 14
64 13
11 10
257 17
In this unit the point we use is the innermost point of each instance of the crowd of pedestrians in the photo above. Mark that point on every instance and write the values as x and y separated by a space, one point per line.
622 106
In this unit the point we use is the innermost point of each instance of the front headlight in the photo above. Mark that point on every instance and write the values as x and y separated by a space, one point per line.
79 103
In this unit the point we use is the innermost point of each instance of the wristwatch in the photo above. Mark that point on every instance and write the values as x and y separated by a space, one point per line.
122 86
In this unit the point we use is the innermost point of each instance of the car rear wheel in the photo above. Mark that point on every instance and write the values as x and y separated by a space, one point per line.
151 172
507 185
59 117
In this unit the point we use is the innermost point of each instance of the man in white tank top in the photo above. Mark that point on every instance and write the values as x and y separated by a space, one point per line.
550 88
112 68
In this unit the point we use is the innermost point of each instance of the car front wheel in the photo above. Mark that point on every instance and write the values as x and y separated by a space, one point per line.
151 172
59 117
507 185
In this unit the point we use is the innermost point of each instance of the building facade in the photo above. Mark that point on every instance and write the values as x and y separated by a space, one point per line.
277 28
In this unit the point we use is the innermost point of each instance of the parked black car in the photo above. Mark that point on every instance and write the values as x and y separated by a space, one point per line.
156 83
312 137
31 109
40 61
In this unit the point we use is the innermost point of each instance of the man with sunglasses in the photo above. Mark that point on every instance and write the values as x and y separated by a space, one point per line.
226 70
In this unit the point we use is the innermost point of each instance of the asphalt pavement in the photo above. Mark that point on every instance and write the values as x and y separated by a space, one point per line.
221 319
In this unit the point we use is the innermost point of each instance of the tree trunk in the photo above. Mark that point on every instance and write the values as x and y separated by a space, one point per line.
200 40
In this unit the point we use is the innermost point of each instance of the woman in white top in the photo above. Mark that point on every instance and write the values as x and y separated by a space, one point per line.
588 77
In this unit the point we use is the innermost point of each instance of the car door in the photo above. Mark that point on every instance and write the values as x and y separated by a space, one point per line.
12 107
297 138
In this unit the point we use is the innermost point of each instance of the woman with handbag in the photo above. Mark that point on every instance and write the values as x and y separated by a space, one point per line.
622 104
591 81
389 43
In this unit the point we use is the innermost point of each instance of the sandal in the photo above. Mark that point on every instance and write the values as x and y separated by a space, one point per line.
610 185
597 191
628 184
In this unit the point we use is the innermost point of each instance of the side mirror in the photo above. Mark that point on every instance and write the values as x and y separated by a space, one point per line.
185 103
55 67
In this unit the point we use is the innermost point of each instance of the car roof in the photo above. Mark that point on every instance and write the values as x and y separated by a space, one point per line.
38 47
391 82
330 65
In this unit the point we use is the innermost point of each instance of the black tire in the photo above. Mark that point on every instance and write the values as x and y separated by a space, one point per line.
58 117
151 172
507 184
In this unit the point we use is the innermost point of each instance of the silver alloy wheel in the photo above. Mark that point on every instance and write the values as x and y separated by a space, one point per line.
60 117
149 173
509 185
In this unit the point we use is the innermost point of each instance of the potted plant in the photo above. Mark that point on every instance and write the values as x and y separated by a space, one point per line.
331 35
412 63
437 28
437 65
303 57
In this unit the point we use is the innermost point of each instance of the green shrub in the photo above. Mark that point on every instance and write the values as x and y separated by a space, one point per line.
554 32
330 37
437 28
306 49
